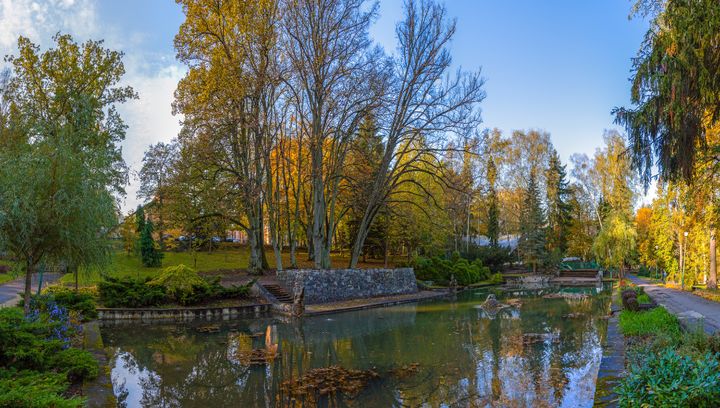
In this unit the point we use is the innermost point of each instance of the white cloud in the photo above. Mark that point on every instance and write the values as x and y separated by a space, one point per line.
154 76
149 118
40 19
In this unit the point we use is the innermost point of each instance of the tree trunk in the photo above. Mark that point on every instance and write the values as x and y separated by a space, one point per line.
29 266
712 277
254 263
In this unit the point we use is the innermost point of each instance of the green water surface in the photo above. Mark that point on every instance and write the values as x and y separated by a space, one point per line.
440 353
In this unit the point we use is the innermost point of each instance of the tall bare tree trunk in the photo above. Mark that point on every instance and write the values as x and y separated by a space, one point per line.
319 209
712 277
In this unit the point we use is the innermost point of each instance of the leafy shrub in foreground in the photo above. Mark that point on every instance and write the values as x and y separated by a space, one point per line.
36 361
29 389
78 364
671 380
128 292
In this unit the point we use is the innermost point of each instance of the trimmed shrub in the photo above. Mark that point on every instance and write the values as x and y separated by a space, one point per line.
128 292
182 284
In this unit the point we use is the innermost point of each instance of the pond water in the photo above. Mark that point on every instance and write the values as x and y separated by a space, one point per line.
440 353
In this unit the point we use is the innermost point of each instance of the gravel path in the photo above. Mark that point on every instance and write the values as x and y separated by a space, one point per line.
680 302
11 292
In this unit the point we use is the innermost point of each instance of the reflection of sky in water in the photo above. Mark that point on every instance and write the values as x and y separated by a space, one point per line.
127 378
466 356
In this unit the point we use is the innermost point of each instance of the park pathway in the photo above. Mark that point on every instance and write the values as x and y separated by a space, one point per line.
11 292
680 303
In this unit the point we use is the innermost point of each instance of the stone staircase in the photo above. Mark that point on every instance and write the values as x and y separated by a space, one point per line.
278 292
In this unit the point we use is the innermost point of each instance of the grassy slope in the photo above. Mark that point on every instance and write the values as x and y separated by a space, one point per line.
122 265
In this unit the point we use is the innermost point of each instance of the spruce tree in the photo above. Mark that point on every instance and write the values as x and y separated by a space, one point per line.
558 206
532 229
140 219
149 253
493 214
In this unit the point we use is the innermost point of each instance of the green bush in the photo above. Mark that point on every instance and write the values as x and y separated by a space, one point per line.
651 322
182 284
25 344
440 270
493 257
128 292
78 364
671 380
82 301
28 389
36 363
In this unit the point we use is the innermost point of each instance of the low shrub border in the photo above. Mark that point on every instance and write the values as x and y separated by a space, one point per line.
666 366
175 286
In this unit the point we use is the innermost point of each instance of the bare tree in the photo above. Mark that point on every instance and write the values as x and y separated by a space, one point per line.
422 106
335 80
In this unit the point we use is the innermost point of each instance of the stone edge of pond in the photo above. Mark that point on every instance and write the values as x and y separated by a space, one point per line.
370 303
99 392
612 365
183 313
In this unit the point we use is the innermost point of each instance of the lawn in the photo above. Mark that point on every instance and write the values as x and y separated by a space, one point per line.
233 260
651 322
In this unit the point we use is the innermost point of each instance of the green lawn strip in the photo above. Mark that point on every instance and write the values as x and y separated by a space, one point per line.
651 322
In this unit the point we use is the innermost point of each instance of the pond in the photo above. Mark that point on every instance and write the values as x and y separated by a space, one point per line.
544 351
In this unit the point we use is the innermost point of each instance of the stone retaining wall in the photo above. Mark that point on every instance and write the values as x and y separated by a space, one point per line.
330 285
183 313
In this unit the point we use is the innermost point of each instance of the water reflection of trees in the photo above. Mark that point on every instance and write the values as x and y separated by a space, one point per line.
463 358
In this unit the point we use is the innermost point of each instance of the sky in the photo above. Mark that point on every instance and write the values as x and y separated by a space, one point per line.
558 66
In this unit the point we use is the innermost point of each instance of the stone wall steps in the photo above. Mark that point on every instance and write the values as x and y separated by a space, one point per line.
279 292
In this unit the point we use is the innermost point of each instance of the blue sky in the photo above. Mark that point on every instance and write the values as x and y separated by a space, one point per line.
560 66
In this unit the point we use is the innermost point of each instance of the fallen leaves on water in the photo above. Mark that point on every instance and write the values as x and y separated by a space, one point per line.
328 381
256 356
